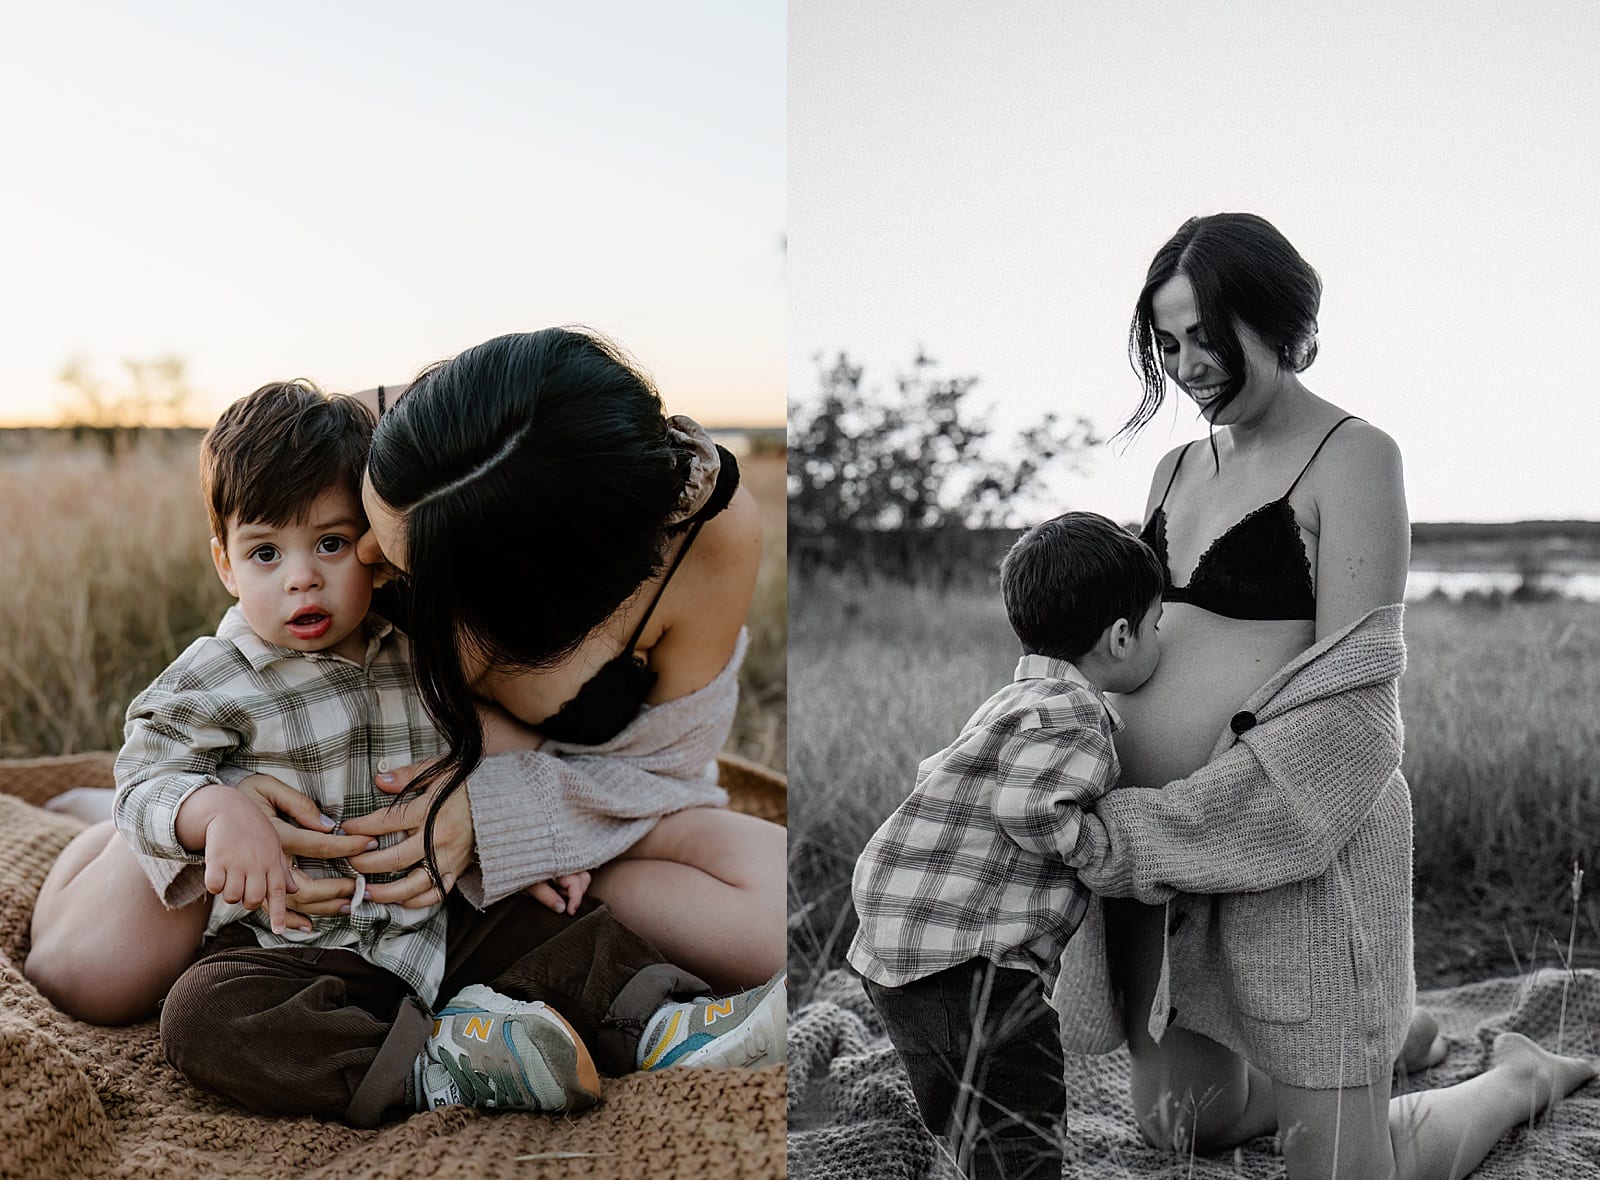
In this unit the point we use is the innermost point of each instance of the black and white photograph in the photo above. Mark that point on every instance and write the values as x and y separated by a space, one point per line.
1195 590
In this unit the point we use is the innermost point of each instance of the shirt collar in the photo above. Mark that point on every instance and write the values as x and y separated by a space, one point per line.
1037 667
261 654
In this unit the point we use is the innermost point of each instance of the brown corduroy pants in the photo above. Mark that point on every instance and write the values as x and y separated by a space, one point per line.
302 1030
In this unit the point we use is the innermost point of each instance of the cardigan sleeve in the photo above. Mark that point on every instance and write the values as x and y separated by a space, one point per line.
567 808
1275 808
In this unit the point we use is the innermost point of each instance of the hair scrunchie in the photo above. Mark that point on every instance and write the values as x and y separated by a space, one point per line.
704 463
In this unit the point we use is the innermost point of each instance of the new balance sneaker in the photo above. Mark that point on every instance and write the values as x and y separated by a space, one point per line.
491 1051
741 1031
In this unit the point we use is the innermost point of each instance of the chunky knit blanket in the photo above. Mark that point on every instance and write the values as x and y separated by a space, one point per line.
852 1117
82 1101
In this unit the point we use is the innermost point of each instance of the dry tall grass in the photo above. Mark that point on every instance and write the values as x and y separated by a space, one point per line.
1502 752
108 578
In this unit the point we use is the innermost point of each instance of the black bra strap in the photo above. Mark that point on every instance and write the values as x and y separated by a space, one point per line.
1318 451
1174 475
683 549
381 406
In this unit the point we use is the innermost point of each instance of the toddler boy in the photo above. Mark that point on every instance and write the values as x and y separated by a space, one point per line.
303 683
964 894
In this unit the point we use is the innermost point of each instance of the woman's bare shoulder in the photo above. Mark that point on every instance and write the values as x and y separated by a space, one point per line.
1358 448
1160 477
720 572
708 600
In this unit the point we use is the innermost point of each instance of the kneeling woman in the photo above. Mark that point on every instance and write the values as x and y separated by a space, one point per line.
1282 1000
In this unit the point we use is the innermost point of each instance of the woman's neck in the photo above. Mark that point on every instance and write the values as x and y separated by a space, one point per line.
1277 415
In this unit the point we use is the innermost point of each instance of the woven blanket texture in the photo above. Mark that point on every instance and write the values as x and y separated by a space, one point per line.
852 1117
83 1101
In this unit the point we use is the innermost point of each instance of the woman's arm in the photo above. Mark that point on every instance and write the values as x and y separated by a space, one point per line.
1364 535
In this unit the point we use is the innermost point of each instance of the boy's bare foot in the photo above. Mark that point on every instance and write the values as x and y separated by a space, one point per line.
1549 1077
1424 1047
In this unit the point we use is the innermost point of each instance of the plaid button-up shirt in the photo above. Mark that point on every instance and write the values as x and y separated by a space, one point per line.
972 864
232 705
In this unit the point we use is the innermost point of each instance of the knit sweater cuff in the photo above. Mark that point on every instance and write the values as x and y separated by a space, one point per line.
515 829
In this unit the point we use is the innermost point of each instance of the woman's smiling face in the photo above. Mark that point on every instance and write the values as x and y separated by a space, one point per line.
1187 357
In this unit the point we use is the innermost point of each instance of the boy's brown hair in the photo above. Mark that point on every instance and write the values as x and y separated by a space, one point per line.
272 453
1066 580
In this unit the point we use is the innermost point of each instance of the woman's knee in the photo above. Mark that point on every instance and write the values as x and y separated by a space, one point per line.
1190 1094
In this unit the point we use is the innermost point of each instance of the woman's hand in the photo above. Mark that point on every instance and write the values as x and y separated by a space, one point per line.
452 841
310 834
549 893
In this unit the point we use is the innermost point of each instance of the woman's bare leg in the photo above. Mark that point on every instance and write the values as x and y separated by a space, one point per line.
1355 1134
1189 1093
105 949
1444 1134
707 887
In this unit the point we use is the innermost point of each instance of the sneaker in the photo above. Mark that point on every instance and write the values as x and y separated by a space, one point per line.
742 1031
491 1051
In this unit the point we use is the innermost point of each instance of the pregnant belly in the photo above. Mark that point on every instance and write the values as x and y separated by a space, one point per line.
1210 665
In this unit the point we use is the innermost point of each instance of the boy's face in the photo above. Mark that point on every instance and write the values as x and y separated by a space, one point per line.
301 586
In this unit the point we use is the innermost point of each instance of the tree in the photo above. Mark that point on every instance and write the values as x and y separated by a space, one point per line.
156 393
920 459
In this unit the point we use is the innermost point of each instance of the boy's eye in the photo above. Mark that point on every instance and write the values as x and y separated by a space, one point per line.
264 554
333 544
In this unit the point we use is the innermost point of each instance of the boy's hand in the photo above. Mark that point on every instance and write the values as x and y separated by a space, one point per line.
549 893
244 861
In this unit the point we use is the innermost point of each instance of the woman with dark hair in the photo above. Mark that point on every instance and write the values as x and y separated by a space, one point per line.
582 565
575 569
1282 999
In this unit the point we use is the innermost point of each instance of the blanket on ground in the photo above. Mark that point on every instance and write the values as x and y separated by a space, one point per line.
82 1101
852 1117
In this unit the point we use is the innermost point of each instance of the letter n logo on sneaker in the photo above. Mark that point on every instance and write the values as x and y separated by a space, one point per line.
719 1008
478 1028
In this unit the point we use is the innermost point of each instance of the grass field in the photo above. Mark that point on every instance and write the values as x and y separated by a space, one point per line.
108 578
1502 754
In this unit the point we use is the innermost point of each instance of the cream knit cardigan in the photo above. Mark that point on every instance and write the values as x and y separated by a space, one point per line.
566 808
1285 867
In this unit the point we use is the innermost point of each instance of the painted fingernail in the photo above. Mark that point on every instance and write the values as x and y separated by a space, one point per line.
344 909
561 907
372 846
386 779
326 822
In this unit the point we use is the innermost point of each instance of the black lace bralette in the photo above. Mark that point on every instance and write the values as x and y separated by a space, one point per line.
1257 569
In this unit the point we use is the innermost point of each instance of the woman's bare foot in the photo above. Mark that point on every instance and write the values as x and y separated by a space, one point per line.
1548 1077
1424 1047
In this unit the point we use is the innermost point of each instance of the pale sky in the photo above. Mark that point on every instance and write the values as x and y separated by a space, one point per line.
992 188
349 191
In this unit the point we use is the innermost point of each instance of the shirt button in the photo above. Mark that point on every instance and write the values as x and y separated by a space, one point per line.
1242 720
383 766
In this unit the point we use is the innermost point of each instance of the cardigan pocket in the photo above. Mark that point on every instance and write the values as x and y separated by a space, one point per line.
1267 943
